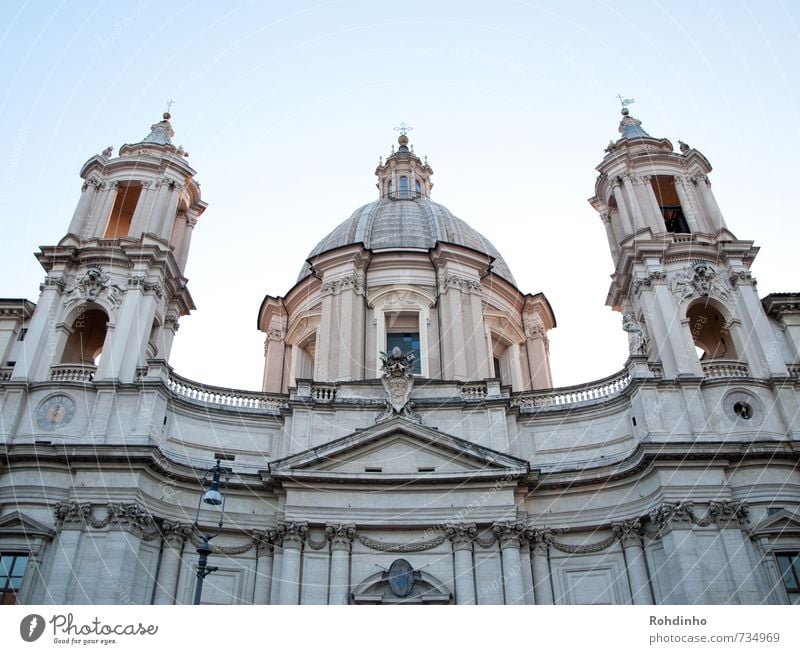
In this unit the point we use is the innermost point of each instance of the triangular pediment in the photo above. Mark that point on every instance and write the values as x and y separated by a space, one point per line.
18 524
401 450
782 523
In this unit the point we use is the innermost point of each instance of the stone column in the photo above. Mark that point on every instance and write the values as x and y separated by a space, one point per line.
686 204
143 213
293 535
774 580
462 537
509 534
632 202
170 211
82 211
612 239
715 219
538 348
542 590
651 207
265 542
341 537
626 226
105 202
274 348
630 533
277 571
159 205
186 241
174 535
525 563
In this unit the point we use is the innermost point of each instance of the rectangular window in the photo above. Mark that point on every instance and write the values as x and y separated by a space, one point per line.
12 569
119 222
22 333
789 563
407 342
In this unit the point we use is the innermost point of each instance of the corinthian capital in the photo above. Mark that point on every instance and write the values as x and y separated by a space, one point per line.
462 534
628 531
540 540
341 536
292 533
509 533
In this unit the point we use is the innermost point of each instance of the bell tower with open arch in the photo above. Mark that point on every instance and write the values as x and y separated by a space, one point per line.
681 277
115 286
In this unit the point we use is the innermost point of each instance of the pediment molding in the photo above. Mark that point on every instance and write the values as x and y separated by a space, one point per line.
473 462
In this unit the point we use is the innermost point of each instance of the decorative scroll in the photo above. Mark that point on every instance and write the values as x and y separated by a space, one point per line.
585 549
417 546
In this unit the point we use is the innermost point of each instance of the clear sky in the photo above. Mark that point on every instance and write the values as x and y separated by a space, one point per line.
285 107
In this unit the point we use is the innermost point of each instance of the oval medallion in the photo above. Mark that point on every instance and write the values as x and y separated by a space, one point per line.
401 577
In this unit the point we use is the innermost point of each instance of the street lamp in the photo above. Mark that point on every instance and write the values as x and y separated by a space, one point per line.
211 497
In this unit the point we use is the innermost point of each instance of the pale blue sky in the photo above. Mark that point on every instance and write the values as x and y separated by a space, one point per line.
286 106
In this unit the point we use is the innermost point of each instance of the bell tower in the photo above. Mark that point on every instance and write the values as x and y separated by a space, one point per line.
115 289
681 278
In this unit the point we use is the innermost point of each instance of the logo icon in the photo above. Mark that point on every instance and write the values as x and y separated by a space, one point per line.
31 627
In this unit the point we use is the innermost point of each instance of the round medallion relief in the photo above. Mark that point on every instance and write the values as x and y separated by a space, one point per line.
744 408
55 412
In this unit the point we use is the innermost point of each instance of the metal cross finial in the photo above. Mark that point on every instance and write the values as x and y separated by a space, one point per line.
403 129
169 105
625 101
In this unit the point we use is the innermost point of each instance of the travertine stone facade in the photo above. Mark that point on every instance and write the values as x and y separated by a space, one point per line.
458 475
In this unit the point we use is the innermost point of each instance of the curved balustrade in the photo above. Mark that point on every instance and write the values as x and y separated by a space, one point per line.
72 372
226 397
570 396
720 368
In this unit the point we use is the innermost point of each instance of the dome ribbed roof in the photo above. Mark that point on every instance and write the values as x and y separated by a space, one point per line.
418 224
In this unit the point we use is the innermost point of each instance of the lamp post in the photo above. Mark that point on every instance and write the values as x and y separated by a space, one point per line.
212 497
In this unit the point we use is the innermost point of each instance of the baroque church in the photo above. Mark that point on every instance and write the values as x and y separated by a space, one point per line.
408 445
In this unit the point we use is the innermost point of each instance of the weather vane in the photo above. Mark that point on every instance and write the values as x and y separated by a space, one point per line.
625 101
403 129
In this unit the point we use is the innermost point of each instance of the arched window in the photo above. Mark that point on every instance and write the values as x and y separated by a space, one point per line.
670 205
404 187
710 332
85 343
119 221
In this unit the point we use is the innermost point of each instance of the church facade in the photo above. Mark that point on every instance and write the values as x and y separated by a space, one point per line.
408 445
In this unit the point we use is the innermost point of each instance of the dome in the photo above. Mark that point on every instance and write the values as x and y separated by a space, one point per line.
414 223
